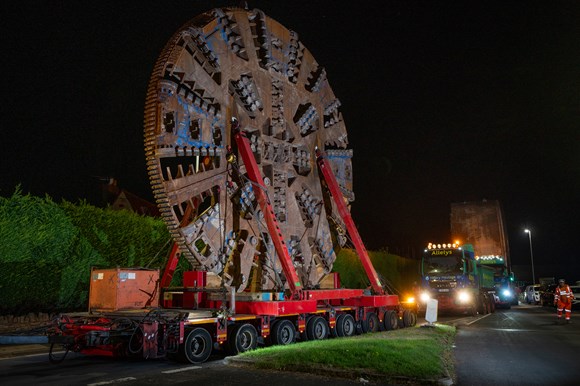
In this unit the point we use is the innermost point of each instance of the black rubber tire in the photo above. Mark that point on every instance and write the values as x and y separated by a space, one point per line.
196 347
303 335
243 338
317 328
414 319
345 325
480 305
371 323
283 332
473 309
333 331
382 324
409 318
390 320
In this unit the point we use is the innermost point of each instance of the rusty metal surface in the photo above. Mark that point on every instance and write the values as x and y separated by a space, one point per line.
481 224
240 63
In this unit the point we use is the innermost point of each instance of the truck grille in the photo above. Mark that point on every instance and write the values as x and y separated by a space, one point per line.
442 284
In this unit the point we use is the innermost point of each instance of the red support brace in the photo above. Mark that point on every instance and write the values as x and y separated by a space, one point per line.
173 257
255 176
348 222
170 266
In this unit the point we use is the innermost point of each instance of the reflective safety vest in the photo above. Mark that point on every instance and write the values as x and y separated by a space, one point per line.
563 294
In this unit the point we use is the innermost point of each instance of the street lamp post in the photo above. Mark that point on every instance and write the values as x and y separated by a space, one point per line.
529 232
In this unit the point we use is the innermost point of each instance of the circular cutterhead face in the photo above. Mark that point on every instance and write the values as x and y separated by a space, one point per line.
240 63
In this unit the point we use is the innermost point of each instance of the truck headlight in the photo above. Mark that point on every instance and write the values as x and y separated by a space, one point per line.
425 297
463 296
507 293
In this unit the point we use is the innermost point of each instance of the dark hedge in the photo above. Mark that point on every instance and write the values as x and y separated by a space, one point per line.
48 248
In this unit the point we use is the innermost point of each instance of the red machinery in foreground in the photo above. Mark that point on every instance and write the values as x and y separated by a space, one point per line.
195 319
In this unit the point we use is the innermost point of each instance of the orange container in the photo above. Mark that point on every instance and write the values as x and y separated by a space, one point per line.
123 289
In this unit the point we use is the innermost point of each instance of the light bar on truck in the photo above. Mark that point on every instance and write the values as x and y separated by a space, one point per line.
442 246
489 257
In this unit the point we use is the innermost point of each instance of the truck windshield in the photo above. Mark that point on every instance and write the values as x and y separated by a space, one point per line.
442 265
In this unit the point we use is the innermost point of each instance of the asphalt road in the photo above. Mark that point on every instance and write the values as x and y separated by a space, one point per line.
521 346
95 371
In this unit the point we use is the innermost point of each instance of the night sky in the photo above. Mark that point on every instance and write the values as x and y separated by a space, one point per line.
443 102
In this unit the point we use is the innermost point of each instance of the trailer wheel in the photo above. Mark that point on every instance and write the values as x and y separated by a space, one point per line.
338 331
371 323
197 346
409 318
382 324
243 338
333 331
390 320
317 328
283 332
347 325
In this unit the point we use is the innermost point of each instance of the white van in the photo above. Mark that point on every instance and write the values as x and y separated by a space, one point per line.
532 294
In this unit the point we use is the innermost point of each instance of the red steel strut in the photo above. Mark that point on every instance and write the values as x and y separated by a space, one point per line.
330 179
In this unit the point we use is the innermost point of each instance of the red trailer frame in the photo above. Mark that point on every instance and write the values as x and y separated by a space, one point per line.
194 318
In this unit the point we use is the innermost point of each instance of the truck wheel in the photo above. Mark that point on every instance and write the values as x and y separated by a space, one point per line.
197 346
283 332
371 323
473 310
480 305
345 325
390 320
243 338
317 328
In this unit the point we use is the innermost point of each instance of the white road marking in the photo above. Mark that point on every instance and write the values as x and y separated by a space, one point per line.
113 381
477 320
181 369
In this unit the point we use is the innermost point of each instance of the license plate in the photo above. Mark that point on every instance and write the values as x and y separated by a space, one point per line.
443 289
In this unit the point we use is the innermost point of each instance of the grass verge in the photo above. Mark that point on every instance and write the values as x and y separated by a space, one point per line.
416 353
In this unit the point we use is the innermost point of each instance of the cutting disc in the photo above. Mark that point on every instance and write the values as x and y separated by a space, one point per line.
236 63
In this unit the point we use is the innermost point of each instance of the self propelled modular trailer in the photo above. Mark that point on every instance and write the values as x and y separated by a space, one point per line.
193 320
